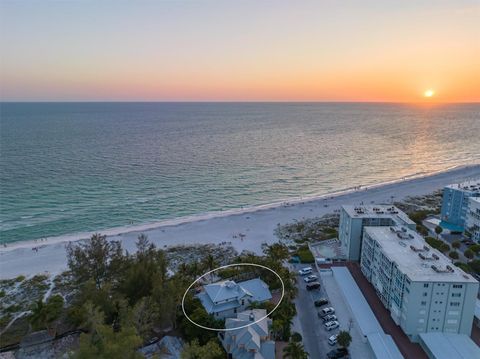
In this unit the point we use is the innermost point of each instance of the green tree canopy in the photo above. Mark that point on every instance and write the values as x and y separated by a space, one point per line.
344 339
295 350
45 314
95 259
106 343
453 255
211 350
469 254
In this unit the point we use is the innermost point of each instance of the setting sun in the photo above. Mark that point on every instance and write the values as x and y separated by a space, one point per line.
429 93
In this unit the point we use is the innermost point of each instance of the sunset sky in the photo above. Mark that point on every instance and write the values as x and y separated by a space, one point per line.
205 50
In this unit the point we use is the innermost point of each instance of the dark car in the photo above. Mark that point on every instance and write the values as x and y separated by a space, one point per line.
337 353
321 302
312 286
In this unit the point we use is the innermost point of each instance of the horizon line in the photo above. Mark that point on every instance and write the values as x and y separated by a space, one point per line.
237 101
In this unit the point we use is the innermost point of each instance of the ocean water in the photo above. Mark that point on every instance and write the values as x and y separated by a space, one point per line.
72 167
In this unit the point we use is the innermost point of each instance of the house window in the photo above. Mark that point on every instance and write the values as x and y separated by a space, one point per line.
425 285
458 286
423 303
425 294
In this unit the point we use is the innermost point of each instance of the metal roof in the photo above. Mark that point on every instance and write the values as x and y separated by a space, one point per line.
356 301
448 345
382 344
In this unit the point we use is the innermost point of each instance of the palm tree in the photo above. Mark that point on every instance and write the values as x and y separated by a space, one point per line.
39 315
295 350
277 252
209 264
344 339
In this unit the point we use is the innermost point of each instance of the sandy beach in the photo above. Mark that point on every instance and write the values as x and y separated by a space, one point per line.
256 224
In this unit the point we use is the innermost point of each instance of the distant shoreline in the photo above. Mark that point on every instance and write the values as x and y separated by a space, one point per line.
121 230
257 224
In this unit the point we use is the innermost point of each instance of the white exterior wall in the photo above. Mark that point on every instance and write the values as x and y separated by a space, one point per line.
350 231
350 235
472 222
418 306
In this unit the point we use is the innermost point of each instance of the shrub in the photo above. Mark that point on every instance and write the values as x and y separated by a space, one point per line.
305 255
469 254
435 243
418 216
444 248
422 230
475 265
465 267
20 278
456 244
453 254
475 248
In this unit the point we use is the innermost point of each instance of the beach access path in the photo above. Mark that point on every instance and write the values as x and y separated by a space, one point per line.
256 225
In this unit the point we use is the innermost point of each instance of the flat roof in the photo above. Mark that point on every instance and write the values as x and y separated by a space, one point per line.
406 248
475 199
449 345
382 344
379 211
468 186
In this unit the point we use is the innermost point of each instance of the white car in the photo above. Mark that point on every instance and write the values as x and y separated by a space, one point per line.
305 271
333 339
329 318
310 278
332 325
326 311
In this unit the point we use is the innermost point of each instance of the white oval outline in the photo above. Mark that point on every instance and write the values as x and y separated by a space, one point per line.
228 266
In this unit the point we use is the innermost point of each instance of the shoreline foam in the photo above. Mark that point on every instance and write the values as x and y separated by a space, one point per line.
121 230
257 222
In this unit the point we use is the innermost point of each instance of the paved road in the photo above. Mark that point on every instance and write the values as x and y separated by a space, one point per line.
314 335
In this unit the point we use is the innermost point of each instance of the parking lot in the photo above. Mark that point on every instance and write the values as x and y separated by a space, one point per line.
315 336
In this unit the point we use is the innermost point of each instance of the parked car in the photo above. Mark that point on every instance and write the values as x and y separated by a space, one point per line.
310 278
312 286
329 318
331 325
333 339
321 302
305 271
326 311
337 353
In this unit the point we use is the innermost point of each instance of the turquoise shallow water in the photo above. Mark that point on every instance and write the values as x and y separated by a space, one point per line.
74 167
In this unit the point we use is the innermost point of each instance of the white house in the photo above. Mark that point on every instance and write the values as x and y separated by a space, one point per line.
227 298
251 342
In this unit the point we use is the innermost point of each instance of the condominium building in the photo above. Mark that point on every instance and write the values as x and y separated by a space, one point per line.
353 219
455 203
472 221
421 287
